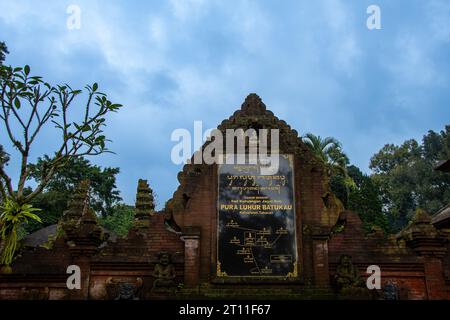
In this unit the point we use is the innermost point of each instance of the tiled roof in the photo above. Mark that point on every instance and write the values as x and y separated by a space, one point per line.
442 216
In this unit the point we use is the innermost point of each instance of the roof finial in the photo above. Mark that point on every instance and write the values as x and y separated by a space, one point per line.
145 206
253 105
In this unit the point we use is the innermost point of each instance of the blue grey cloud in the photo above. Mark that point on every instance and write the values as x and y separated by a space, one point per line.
315 64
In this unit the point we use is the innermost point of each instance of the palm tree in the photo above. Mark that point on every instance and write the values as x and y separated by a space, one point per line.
328 149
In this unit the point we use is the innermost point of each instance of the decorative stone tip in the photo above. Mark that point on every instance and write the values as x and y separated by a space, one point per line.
253 105
144 200
79 201
421 216
89 216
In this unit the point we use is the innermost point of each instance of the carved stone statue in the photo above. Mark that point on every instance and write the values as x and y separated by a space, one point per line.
124 290
164 271
347 275
390 291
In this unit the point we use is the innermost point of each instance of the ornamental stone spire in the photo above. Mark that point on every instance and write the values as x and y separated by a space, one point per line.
145 206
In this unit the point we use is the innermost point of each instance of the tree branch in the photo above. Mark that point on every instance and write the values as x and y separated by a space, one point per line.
8 182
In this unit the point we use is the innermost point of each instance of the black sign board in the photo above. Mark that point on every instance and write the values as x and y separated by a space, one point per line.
256 221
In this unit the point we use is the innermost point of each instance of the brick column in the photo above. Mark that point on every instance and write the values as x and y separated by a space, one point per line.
191 238
84 262
320 262
320 236
83 236
434 278
429 243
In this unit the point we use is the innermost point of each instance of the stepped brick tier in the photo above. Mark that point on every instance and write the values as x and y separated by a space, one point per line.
297 243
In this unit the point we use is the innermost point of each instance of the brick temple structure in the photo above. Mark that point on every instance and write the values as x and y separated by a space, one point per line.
190 249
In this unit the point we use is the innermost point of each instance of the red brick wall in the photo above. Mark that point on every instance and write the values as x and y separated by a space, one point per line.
418 277
125 259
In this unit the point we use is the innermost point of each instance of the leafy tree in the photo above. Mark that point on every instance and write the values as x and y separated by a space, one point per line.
329 150
355 190
3 52
27 105
31 103
52 205
364 198
53 200
120 220
406 177
340 185
4 157
104 193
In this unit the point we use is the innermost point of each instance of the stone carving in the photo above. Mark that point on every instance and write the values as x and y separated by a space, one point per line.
144 200
390 291
422 236
79 224
347 275
78 203
125 290
145 206
164 272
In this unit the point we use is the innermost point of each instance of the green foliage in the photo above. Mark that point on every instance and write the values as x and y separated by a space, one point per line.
4 159
403 179
407 179
12 217
29 104
358 192
3 52
120 220
328 149
340 185
104 193
53 200
53 204
355 190
364 198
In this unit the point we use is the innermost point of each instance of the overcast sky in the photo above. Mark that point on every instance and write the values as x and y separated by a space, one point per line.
315 64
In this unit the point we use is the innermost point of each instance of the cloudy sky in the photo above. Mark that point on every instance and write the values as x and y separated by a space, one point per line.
314 63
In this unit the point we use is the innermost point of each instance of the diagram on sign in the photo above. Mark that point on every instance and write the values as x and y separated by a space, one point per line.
256 228
249 239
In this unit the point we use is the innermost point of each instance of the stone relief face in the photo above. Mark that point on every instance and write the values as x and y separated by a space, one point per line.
165 259
346 261
126 291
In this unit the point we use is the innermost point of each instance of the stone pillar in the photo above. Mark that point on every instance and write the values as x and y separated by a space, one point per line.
320 260
429 243
83 235
191 238
84 262
434 278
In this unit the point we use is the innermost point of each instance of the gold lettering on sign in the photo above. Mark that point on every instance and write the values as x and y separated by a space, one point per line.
256 221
